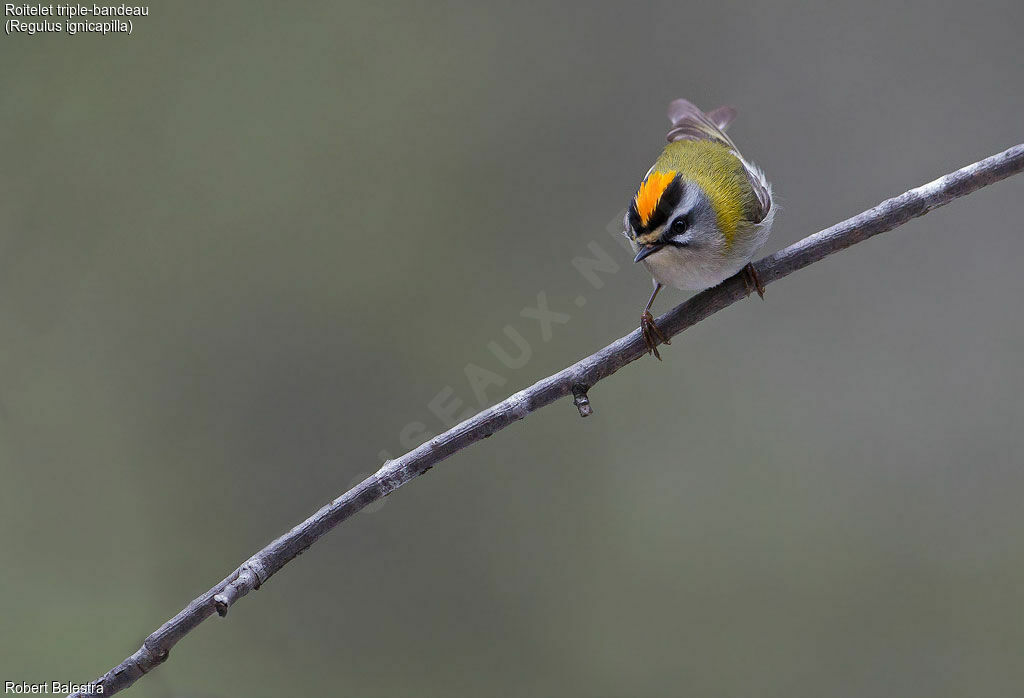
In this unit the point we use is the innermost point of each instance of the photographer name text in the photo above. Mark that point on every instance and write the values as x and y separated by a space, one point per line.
51 687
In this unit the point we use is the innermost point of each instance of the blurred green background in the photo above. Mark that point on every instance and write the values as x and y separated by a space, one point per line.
242 249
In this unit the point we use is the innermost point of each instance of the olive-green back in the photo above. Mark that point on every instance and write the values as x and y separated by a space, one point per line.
722 176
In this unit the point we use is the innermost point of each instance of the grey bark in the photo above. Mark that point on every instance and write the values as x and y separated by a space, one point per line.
576 380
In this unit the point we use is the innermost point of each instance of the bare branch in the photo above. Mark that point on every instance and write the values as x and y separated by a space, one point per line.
575 380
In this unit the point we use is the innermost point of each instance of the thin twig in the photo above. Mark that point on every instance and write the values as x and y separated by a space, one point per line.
574 380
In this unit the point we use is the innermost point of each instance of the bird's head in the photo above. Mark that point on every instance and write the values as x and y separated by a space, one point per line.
670 211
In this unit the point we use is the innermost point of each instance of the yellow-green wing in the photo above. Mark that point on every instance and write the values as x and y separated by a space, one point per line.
689 123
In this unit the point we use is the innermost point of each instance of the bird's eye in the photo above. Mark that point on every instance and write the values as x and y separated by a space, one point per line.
679 226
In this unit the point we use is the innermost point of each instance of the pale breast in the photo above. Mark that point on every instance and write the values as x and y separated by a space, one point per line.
691 270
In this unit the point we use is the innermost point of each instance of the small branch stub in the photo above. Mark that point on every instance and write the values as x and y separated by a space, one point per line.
582 400
222 603
249 578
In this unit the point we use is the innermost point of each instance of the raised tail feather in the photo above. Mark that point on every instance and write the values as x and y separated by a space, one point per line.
690 123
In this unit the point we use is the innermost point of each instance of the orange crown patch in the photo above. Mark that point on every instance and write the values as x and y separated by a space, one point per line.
650 193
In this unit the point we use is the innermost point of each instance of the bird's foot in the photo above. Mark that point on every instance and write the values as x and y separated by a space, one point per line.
651 334
752 281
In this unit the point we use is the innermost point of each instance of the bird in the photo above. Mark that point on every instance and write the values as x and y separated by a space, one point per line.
701 212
